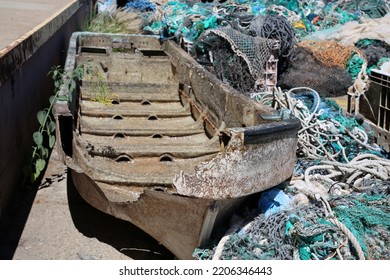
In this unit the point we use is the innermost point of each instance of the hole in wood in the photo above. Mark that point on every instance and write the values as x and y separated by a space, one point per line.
119 135
152 118
166 158
117 117
123 158
93 50
146 102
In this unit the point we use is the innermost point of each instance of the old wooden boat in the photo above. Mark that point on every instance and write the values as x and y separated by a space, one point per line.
176 150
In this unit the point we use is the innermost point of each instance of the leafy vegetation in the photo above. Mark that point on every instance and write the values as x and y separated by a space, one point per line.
44 138
100 91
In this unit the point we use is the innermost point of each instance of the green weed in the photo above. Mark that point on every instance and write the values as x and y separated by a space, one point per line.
44 138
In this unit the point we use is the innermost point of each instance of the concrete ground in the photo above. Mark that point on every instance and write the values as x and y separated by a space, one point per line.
54 222
19 17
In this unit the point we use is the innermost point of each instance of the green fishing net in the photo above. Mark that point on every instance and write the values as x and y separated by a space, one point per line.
306 233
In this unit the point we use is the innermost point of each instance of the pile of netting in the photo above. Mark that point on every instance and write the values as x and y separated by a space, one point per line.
320 65
191 18
245 55
376 53
336 206
339 42
316 15
349 227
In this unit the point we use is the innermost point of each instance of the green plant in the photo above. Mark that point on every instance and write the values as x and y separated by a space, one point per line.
100 91
44 138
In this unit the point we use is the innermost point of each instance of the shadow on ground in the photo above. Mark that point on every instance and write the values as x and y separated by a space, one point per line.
13 221
122 235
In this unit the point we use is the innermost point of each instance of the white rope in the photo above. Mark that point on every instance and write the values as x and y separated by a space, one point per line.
225 238
342 227
317 137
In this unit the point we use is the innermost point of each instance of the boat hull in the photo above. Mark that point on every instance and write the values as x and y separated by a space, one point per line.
179 223
178 151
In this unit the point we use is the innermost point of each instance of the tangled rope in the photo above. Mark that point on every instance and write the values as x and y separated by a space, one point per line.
360 86
274 27
343 178
324 134
291 16
332 172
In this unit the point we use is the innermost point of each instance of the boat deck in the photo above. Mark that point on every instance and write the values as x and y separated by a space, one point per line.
146 131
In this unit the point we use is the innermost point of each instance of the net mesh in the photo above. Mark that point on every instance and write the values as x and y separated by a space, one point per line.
306 70
329 53
306 233
232 50
373 50
274 27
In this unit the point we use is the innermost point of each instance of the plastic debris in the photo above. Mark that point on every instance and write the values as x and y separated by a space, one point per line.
272 201
141 5
106 6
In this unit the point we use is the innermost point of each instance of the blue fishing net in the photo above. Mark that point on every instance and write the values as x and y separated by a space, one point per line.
181 18
141 5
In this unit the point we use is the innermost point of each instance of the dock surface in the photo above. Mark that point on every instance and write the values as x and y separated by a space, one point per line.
18 18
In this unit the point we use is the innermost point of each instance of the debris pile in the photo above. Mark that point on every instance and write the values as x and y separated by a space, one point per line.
336 206
347 227
294 55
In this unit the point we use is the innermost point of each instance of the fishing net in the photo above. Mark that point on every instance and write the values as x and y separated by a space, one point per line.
372 8
278 28
225 60
352 32
329 53
179 20
374 51
367 216
238 59
274 27
354 65
305 70
306 232
141 5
